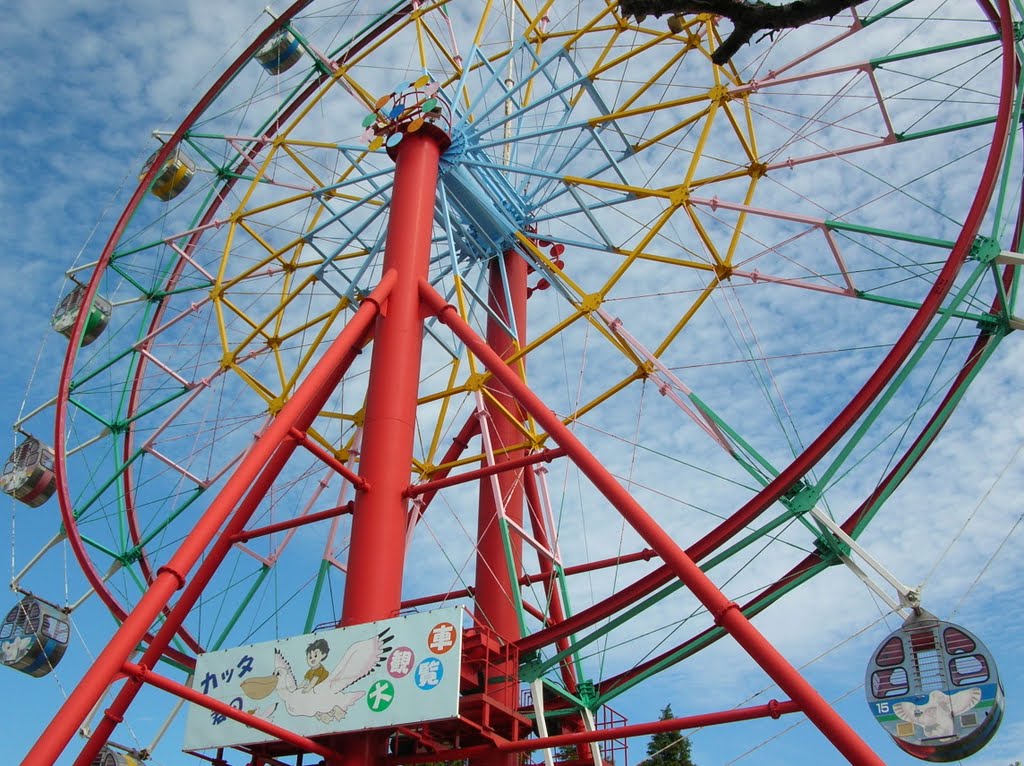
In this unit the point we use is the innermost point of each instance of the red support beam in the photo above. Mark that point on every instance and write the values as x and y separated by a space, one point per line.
489 470
373 584
773 709
459 444
301 521
725 612
236 501
142 674
329 460
529 579
499 562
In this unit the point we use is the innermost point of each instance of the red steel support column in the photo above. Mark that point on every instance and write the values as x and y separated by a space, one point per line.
267 456
726 613
495 604
373 585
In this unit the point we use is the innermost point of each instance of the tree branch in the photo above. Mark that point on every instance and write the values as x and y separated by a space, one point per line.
747 18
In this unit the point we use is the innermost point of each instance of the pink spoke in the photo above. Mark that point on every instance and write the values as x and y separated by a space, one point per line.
669 384
816 223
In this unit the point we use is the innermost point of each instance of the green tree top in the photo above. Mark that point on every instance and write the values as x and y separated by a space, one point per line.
668 748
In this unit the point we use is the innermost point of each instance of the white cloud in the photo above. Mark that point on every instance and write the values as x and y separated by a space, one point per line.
776 362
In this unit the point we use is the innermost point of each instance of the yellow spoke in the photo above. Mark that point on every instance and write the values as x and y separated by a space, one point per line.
298 161
748 148
740 220
698 152
437 432
607 395
440 48
312 350
571 38
481 26
648 109
705 238
674 129
652 232
634 51
671 62
637 191
685 319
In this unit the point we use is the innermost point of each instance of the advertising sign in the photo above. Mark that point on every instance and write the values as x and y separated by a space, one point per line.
376 675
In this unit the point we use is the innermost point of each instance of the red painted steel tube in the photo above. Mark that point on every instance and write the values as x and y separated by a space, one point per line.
513 463
494 584
325 457
300 521
373 583
373 588
144 675
726 613
309 398
299 410
528 579
497 577
772 710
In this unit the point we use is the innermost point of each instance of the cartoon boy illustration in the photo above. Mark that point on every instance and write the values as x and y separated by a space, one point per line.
316 653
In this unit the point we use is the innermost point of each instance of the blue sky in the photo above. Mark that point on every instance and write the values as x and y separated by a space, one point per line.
88 82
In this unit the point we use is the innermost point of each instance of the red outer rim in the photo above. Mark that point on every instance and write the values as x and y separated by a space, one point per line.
67 512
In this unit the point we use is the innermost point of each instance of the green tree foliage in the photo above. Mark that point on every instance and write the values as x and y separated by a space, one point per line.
668 748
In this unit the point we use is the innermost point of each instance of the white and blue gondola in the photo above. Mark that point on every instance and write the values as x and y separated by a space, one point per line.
933 687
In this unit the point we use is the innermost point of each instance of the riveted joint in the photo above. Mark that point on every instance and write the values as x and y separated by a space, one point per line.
994 324
720 614
590 303
719 94
178 576
110 715
774 709
587 692
476 380
757 169
985 250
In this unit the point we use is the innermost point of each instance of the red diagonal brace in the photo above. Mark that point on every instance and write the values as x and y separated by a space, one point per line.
236 501
757 646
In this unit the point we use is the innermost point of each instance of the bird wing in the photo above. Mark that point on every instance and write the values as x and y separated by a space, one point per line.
359 661
963 701
905 710
283 670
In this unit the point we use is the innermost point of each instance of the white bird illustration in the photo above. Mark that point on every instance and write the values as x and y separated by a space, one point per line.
329 700
936 716
15 649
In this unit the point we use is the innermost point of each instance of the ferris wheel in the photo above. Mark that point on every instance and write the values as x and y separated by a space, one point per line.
527 320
